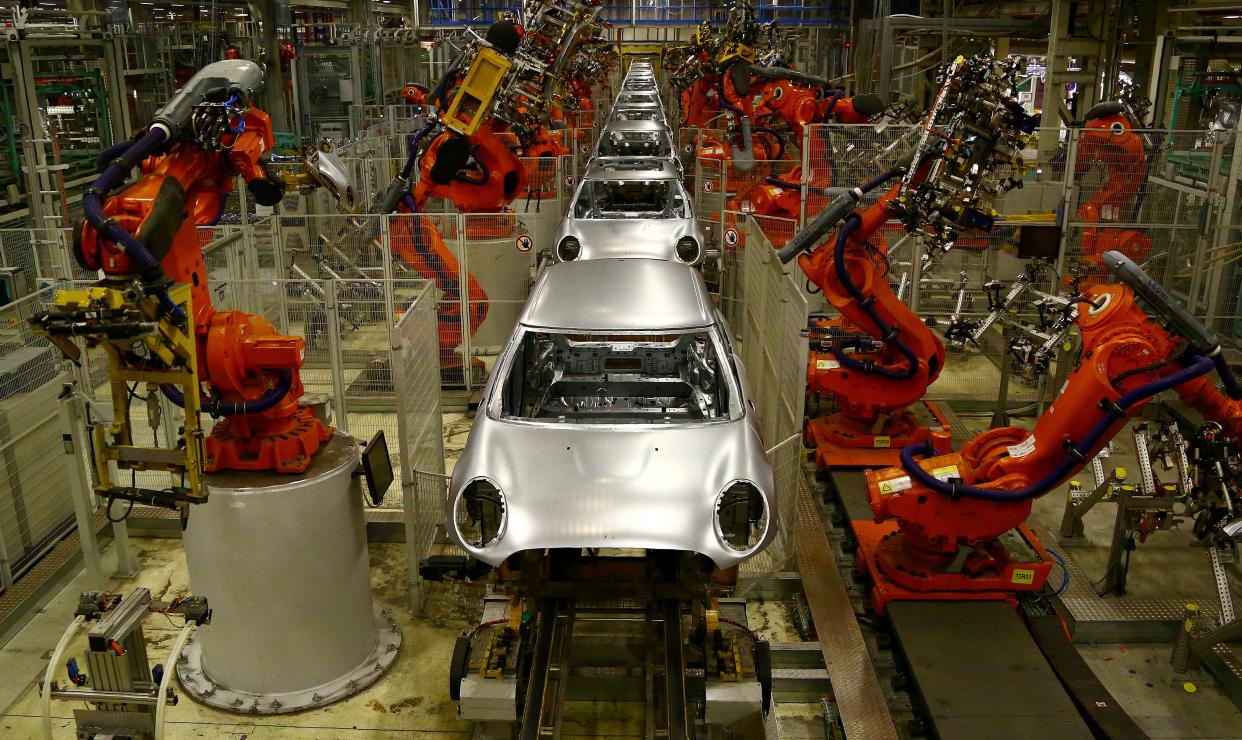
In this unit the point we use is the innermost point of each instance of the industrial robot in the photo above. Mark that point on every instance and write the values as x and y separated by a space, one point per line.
1110 137
878 358
691 72
795 101
152 312
713 73
939 517
494 105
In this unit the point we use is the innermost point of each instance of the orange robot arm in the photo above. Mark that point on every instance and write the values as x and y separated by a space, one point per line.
1109 137
904 358
251 370
942 504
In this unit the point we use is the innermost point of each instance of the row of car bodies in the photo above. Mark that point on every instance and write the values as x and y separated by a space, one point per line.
631 200
618 413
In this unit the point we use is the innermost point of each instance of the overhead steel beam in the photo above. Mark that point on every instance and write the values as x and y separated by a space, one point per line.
891 25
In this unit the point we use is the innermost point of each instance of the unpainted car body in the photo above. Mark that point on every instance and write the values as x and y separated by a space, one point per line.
637 114
650 139
631 208
646 100
618 417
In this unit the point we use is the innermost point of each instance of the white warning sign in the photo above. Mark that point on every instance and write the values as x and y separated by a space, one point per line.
1023 448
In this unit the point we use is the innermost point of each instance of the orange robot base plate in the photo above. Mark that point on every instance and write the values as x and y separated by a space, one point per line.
838 448
895 579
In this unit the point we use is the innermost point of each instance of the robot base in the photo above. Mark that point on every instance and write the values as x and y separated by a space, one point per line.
840 442
896 575
197 681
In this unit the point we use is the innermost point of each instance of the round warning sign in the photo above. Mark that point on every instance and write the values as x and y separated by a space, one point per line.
525 243
731 237
689 148
570 181
708 186
584 148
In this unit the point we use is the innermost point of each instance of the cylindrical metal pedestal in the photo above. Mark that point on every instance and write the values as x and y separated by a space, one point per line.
283 562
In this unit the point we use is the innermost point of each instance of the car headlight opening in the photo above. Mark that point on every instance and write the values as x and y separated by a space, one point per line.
741 516
480 514
569 249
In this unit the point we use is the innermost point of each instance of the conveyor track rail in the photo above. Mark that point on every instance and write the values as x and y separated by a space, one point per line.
668 713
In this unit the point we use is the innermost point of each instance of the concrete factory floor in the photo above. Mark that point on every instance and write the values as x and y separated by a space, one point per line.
412 700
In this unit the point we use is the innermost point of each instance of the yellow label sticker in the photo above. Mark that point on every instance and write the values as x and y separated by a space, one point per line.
894 485
823 364
1023 576
881 440
945 473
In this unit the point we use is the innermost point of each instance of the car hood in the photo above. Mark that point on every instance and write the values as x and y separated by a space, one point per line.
649 238
646 487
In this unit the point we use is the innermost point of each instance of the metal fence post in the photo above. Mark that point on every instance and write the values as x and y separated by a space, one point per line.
806 172
1227 202
79 485
390 309
1195 298
250 258
1067 195
463 283
332 319
281 266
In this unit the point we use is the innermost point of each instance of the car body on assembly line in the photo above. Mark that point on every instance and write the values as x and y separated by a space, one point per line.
618 417
631 139
631 208
645 100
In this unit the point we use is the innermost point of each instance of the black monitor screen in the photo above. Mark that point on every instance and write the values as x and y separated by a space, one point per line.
377 468
1039 242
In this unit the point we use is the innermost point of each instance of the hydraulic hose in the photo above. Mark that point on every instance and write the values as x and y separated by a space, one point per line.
218 407
1232 389
867 303
107 155
1075 454
780 140
838 209
413 149
832 104
787 185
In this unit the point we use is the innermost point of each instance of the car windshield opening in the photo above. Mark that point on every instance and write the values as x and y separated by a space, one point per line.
636 114
635 144
613 378
630 199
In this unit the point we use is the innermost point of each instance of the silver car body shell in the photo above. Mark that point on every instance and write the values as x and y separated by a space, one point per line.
648 100
605 238
615 485
621 128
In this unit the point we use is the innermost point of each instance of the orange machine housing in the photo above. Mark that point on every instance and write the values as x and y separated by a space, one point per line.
798 107
1112 141
874 419
241 357
926 545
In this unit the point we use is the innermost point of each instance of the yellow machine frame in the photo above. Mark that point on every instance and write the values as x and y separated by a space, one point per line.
175 356
469 108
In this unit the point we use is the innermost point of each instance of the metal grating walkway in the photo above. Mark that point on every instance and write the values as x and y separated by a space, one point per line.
864 711
1110 619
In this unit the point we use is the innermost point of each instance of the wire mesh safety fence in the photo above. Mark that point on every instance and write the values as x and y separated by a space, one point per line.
773 352
416 378
36 506
1168 207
